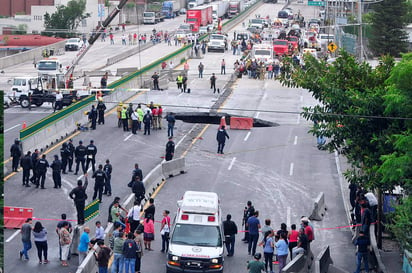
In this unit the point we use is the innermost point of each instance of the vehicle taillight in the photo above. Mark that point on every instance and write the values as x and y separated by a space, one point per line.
211 218
185 217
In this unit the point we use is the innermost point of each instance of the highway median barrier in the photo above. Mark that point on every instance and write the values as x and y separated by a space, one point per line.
77 232
174 167
319 208
323 260
375 259
297 265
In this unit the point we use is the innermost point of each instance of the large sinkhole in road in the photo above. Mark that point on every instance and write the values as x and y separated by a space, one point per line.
214 118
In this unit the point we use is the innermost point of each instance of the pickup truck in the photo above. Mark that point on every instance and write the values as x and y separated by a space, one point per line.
217 42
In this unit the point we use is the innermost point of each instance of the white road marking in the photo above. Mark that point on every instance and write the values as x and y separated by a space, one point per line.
301 98
288 212
11 128
81 176
129 136
298 120
231 163
247 136
295 141
13 235
291 169
257 115
265 96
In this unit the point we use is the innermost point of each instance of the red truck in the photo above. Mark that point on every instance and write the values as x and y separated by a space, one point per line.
280 47
199 16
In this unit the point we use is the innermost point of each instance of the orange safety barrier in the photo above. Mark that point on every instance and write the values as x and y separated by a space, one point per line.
222 122
15 217
241 123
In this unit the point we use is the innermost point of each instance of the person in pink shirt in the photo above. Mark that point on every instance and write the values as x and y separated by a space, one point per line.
148 235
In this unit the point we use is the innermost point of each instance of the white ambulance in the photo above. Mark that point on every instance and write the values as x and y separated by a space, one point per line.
196 239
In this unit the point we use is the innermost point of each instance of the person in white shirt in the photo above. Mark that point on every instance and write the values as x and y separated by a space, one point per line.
59 101
99 235
134 216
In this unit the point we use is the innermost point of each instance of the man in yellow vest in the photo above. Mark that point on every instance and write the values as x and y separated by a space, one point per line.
124 119
179 81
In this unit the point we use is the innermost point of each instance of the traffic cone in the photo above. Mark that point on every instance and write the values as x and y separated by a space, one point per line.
222 122
24 125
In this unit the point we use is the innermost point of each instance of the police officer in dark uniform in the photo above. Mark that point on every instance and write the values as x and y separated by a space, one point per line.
57 169
79 197
65 154
93 117
34 158
138 189
41 166
170 149
248 212
26 163
100 179
101 107
71 148
108 170
91 155
80 154
15 152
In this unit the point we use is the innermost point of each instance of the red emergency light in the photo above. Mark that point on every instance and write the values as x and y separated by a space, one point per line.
211 218
185 217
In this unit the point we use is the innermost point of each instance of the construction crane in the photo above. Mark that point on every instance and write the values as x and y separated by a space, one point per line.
106 22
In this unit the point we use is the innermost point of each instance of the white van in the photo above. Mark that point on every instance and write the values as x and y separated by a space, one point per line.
325 39
196 239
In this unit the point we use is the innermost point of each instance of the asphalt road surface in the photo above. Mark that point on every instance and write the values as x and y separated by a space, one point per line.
278 168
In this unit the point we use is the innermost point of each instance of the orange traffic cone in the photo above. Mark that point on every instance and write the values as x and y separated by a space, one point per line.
222 122
24 125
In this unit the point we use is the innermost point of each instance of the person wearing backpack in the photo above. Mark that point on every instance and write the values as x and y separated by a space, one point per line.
129 253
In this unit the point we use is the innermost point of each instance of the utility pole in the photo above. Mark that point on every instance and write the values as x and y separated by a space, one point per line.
360 31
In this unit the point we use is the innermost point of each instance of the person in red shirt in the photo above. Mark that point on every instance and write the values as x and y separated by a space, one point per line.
293 235
155 116
160 115
308 231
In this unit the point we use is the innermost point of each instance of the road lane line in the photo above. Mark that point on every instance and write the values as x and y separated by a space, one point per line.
291 169
301 98
295 141
13 235
257 114
11 128
288 213
247 136
298 120
231 163
129 136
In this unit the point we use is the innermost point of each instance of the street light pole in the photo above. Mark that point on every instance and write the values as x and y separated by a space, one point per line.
360 30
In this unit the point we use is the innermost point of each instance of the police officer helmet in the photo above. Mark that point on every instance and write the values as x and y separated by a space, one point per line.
16 141
257 256
80 142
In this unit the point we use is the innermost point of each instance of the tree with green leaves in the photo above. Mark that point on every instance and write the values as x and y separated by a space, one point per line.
388 35
366 115
68 17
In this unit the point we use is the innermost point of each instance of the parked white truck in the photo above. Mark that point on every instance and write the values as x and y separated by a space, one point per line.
194 3
220 10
